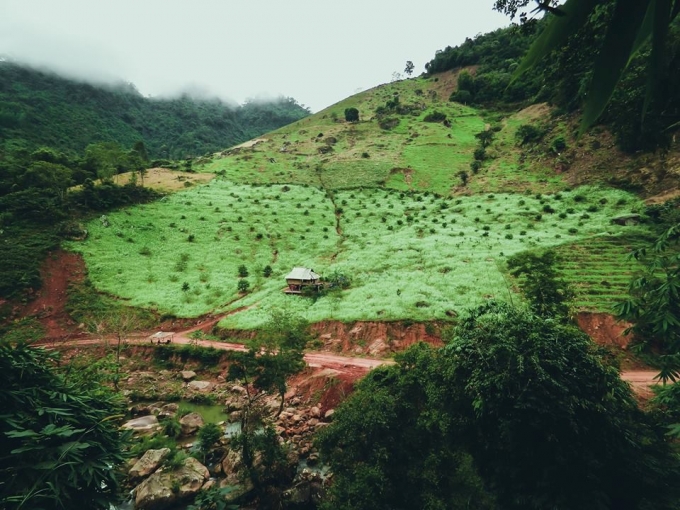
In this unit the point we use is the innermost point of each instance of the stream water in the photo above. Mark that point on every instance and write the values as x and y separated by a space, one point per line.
210 414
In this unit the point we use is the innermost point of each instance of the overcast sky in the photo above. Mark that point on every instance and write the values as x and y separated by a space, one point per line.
317 51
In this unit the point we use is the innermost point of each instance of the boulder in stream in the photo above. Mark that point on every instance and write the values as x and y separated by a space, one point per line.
191 423
164 489
149 463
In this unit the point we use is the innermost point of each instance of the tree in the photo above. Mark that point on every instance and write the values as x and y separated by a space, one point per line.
243 285
630 27
61 441
653 301
46 175
516 411
409 68
208 435
548 421
485 137
548 294
141 159
351 115
119 323
276 353
391 444
466 82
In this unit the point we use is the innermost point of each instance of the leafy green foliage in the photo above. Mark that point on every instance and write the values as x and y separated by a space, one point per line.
38 108
528 133
521 406
391 444
497 54
630 25
351 114
653 303
213 498
61 441
243 285
552 424
272 357
548 295
208 435
23 257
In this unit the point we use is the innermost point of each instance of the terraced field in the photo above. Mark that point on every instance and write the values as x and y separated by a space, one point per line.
600 268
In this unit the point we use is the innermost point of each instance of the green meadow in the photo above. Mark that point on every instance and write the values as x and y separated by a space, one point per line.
410 255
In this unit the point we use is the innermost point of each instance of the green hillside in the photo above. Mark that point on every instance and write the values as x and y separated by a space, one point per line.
382 201
42 109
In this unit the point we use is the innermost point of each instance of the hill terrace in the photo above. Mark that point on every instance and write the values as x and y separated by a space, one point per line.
301 277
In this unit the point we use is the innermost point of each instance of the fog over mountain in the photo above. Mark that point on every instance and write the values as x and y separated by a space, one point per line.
316 52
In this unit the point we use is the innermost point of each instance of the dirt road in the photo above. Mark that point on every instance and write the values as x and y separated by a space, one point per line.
640 380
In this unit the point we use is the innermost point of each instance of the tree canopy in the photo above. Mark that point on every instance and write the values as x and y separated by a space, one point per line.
42 109
525 412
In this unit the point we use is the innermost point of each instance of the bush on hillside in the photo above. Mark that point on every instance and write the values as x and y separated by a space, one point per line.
435 117
351 115
461 96
388 123
529 133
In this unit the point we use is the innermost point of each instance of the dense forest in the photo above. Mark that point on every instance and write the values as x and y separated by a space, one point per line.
38 108
563 78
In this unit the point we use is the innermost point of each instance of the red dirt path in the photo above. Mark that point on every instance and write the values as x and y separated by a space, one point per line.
59 269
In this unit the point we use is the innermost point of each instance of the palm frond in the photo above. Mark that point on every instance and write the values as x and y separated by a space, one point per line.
614 56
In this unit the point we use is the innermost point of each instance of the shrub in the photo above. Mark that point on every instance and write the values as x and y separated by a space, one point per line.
208 435
171 427
435 117
528 133
558 145
351 115
243 286
242 271
461 96
480 154
267 271
389 123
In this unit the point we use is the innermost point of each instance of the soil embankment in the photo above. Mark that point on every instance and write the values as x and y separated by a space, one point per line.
59 269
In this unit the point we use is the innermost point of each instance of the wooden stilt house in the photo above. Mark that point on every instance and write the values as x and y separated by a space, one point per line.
300 278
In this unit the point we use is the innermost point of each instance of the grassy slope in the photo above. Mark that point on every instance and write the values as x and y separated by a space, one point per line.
417 244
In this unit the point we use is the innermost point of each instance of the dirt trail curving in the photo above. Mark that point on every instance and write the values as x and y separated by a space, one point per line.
640 380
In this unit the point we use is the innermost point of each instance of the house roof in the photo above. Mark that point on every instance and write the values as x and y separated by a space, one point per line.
162 334
302 273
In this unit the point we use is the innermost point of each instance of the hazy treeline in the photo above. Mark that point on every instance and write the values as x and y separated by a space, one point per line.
42 109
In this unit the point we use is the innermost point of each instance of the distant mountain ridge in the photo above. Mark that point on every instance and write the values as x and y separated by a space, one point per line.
39 108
